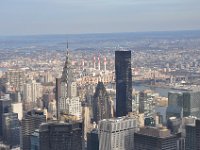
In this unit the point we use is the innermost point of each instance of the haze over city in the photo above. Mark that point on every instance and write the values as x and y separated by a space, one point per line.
99 75
21 17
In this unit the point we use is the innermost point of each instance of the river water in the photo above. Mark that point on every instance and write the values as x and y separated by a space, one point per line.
160 90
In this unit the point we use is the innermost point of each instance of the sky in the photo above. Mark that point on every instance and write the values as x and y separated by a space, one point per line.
27 17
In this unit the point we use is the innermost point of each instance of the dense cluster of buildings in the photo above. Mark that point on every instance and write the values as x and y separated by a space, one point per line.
94 109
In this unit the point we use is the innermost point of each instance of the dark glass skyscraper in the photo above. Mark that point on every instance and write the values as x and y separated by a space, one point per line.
5 107
60 136
193 136
123 82
31 121
151 138
11 129
191 104
93 140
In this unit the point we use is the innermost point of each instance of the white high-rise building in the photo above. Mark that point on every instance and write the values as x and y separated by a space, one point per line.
117 133
73 89
75 108
69 102
36 90
52 107
17 108
48 77
16 78
31 91
27 92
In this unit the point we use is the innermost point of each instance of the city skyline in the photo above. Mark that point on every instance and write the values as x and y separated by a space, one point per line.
129 79
79 17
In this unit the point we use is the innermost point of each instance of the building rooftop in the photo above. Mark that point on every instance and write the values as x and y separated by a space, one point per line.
119 119
160 132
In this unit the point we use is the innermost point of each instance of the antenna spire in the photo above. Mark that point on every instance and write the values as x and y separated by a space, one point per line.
67 45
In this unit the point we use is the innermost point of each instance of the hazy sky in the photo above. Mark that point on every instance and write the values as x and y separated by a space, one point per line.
23 17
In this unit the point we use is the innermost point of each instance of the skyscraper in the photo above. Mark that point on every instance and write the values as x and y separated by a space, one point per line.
117 133
191 104
31 91
175 105
93 140
193 136
198 134
11 129
5 107
69 102
58 96
183 104
101 103
30 123
16 78
151 138
60 136
190 139
35 142
123 82
147 102
86 120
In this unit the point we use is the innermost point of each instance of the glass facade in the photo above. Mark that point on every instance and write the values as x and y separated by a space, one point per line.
123 82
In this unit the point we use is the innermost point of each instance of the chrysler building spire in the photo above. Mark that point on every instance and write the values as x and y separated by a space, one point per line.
67 72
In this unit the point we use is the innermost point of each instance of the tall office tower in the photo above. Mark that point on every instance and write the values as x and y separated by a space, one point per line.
75 107
135 101
117 133
27 92
58 96
150 138
142 100
5 107
15 97
67 79
30 123
193 136
191 104
101 103
93 140
86 120
16 78
17 108
190 139
198 134
147 102
123 82
175 105
184 104
105 63
32 90
52 108
60 136
69 102
175 98
11 129
48 77
35 142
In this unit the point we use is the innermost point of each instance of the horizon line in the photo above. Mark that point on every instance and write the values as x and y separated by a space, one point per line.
71 34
